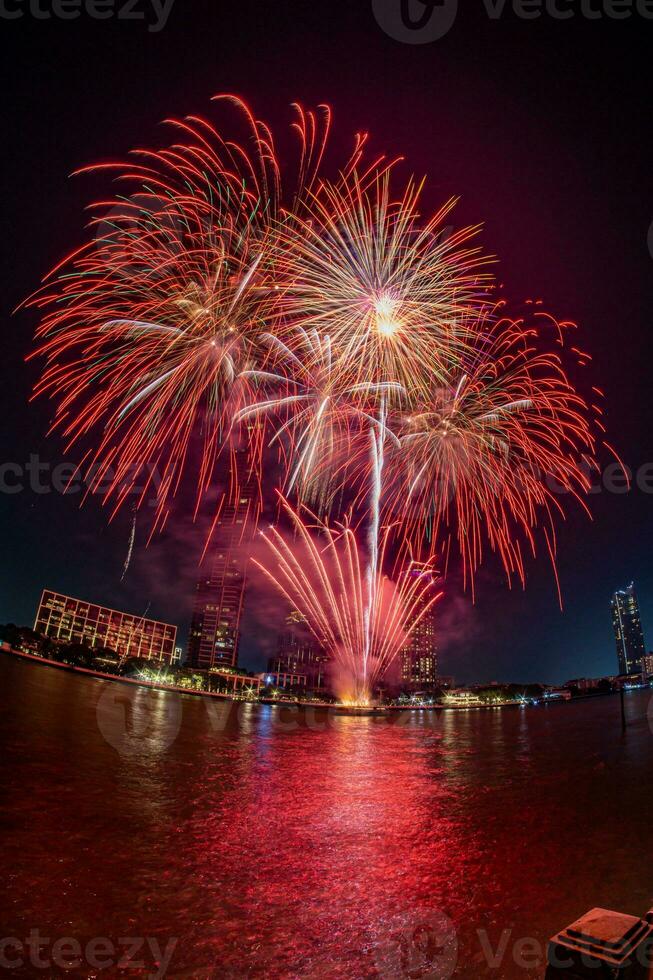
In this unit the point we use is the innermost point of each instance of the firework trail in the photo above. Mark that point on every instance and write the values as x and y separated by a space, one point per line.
325 578
377 447
136 626
319 411
130 547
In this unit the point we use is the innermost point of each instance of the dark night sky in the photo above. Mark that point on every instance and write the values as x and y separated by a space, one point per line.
542 126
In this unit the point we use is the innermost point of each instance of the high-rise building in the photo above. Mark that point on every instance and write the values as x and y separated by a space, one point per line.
67 620
299 660
419 658
628 634
215 627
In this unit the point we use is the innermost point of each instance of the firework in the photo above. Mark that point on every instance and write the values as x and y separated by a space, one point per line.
130 547
147 327
335 325
322 413
390 291
493 451
324 576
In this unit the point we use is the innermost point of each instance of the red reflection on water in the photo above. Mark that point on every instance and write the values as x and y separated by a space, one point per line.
277 844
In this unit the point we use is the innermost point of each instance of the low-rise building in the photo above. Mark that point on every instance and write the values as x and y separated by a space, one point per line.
557 694
462 698
64 619
582 683
285 680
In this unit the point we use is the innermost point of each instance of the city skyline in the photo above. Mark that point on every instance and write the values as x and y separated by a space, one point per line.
458 661
581 637
300 667
298 657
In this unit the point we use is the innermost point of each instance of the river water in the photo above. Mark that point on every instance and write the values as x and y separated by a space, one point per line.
257 841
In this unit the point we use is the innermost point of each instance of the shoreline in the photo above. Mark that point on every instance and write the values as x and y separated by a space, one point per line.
176 689
100 675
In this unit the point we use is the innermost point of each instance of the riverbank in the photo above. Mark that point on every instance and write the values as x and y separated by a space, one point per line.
140 682
294 702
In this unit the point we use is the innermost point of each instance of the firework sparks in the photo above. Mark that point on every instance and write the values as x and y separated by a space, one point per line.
389 290
146 327
322 413
130 547
362 624
336 326
494 448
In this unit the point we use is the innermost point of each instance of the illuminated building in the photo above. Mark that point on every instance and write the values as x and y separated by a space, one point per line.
215 627
647 664
233 682
628 634
299 660
419 658
67 620
462 699
557 694
286 681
